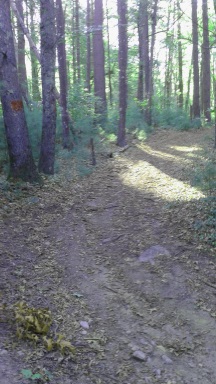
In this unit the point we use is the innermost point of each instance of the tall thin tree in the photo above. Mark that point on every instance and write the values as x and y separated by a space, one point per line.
206 71
196 91
122 59
99 59
62 73
48 48
21 64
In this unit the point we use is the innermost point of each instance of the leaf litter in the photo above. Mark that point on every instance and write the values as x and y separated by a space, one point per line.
73 249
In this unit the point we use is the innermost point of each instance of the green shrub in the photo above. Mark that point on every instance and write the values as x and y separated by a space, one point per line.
205 180
174 117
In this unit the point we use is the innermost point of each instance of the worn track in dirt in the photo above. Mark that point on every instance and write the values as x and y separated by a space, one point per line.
76 249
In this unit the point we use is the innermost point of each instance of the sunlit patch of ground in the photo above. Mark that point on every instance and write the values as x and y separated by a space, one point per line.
142 175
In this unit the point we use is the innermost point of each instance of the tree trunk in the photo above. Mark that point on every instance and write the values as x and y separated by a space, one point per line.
188 87
180 61
122 58
48 45
151 61
98 58
21 160
62 73
169 59
214 90
196 93
21 65
77 26
109 56
206 72
88 47
35 69
140 88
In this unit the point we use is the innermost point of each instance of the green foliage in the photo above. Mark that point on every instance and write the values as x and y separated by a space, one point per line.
205 176
136 121
205 180
174 117
34 122
43 376
206 225
81 106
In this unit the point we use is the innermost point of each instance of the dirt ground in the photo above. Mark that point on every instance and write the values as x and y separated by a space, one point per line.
114 258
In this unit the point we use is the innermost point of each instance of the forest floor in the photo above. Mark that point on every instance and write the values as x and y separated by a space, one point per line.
113 257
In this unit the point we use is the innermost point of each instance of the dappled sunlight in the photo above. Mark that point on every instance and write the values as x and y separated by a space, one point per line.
185 149
144 176
152 151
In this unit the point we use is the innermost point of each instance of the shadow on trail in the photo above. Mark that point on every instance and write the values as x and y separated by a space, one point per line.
75 250
173 152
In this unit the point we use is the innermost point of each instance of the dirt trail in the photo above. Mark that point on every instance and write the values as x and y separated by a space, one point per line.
115 251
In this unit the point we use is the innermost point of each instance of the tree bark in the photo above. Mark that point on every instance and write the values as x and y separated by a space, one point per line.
77 26
48 48
98 59
88 47
206 71
21 65
151 61
62 73
122 59
180 61
20 155
196 92
109 56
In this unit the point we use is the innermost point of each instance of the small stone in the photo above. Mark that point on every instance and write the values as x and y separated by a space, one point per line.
84 332
158 373
148 380
139 355
166 359
3 352
84 324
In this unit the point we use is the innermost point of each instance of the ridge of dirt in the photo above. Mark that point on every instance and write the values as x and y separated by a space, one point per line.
77 249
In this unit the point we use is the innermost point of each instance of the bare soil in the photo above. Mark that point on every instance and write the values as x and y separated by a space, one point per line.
114 250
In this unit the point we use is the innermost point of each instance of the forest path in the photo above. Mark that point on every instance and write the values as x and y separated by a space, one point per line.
115 250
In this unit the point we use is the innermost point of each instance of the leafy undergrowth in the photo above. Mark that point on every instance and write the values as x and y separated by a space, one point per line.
88 311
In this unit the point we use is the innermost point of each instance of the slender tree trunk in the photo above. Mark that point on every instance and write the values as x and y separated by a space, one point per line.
62 73
77 26
88 46
21 65
151 62
122 58
214 3
140 88
35 69
206 72
73 23
48 48
180 61
196 93
98 58
188 87
109 56
214 90
144 62
169 59
21 160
